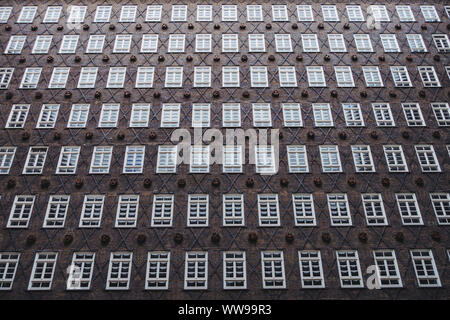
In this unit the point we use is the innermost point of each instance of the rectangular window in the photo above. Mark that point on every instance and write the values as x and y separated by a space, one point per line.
204 12
383 114
59 78
202 77
441 112
379 13
158 267
69 44
5 77
68 160
203 43
387 269
304 214
116 77
374 209
297 159
127 211
30 78
316 77
353 115
416 43
322 115
310 43
5 13
200 115
441 206
198 215
234 270
232 159
122 44
153 13
102 14
18 116
43 271
77 14
265 160
95 44
35 160
441 42
292 115
233 210
329 13
179 13
42 44
261 115
409 209
109 115
389 42
149 43
81 271
395 158
429 14
425 268
6 159
279 13
405 13
287 77
427 158
170 115
268 210
362 158
174 77
254 13
140 114
144 77
272 264
231 115
91 213
162 212
78 116
329 156
56 213
311 272
349 268
229 13
101 160
372 76
354 13
176 43
363 43
27 14
401 76
196 271
167 159
21 211
48 116
339 209
8 266
119 271
230 77
256 42
199 159
128 14
344 77
429 77
283 42
230 43
259 77
305 13
134 159
88 78
336 43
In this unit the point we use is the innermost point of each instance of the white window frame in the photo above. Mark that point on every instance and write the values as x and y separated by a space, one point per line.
292 115
297 159
102 14
122 43
316 76
198 210
101 160
256 42
283 42
372 76
79 114
81 271
349 268
233 158
8 264
202 77
279 13
323 116
170 115
27 14
336 42
179 13
204 12
229 13
441 112
203 43
153 13
30 78
395 158
140 115
441 42
134 159
441 207
305 13
109 116
174 77
339 210
383 114
5 13
120 264
231 115
21 211
429 76
353 115
310 43
127 211
96 43
363 42
272 269
230 42
149 43
389 42
167 159
162 210
234 270
176 43
405 13
92 211
268 210
56 213
116 77
35 162
158 270
259 78
68 160
344 76
230 77
128 13
430 14
330 158
426 156
42 44
7 155
311 270
265 160
69 44
409 209
199 159
400 76
362 158
196 270
416 43
44 265
304 212
354 13
287 76
254 13
262 115
233 210
144 77
387 269
47 116
374 209
59 78
88 78
6 75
